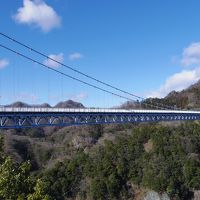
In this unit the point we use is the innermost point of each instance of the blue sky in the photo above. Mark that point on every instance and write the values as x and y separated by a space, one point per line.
145 47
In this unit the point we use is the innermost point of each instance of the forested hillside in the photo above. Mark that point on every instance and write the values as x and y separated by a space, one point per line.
104 162
125 163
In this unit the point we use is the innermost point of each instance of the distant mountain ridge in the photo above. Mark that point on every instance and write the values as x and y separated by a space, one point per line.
62 104
69 104
188 98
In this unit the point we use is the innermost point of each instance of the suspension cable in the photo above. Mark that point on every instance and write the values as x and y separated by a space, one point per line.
64 74
79 72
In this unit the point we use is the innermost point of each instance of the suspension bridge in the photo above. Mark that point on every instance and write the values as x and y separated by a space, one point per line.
22 117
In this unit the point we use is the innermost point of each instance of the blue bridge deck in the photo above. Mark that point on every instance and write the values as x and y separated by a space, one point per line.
11 117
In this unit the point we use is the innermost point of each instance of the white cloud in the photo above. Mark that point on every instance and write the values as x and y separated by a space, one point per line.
185 78
78 97
26 97
38 13
59 57
191 54
75 56
3 63
177 82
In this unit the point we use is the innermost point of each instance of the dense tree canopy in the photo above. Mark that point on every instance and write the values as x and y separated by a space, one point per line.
153 157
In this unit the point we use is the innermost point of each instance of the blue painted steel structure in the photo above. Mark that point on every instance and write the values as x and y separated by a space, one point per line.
39 119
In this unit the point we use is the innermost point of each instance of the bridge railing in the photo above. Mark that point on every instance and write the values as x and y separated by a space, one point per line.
36 109
86 110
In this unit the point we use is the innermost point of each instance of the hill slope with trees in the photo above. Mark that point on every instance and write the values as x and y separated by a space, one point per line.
104 162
